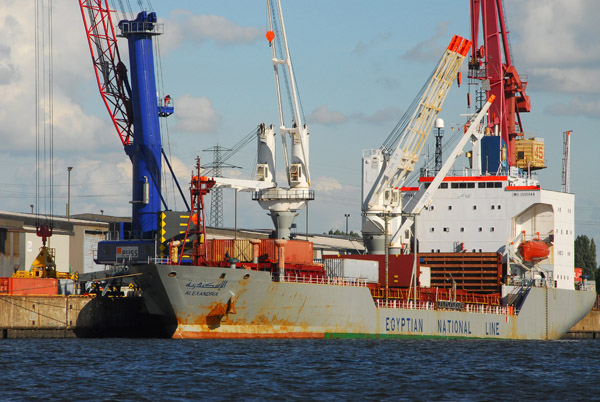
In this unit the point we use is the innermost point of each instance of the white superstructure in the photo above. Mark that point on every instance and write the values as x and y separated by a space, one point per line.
495 213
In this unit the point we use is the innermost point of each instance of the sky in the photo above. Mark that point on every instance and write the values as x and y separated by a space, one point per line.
358 65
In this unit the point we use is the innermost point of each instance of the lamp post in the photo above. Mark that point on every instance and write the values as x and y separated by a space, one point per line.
31 206
69 192
347 216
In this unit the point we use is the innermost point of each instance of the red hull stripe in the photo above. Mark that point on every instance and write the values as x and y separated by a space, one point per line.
520 188
465 178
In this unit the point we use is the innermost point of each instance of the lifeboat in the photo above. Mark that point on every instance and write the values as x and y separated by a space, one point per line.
534 250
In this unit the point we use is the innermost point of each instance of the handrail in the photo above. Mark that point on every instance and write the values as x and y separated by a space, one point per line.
323 280
427 305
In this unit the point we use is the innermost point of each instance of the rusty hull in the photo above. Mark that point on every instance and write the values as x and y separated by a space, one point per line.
201 300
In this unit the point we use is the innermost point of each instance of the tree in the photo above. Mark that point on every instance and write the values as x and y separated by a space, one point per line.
585 256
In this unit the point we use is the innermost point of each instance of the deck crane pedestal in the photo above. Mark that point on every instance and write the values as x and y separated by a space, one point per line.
384 170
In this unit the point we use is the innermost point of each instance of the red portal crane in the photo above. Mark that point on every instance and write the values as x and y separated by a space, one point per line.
111 73
499 77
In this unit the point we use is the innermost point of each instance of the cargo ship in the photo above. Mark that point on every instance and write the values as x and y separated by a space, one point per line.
460 293
484 252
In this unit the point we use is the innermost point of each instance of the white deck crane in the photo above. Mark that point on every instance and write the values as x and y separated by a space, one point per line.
283 203
385 169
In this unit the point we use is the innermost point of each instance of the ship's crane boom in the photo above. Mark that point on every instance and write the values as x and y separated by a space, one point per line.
298 174
402 159
283 203
111 73
386 169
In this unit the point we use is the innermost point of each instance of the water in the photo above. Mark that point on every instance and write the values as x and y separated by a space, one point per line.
298 370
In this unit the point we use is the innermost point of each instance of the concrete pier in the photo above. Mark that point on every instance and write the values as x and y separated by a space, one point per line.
75 317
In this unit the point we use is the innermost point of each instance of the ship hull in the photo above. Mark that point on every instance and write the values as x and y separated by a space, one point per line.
213 302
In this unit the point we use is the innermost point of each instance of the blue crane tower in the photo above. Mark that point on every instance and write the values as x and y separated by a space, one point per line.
145 151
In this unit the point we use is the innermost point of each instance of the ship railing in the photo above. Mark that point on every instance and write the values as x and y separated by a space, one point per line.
487 309
326 280
159 260
426 305
405 304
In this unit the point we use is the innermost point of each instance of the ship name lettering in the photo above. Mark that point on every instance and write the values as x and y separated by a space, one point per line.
205 285
492 328
199 293
403 324
458 327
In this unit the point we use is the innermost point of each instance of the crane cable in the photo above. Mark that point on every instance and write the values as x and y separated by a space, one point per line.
44 112
236 148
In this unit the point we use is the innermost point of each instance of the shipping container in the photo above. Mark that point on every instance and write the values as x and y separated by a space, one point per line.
33 286
4 285
399 267
353 269
530 154
296 251
219 250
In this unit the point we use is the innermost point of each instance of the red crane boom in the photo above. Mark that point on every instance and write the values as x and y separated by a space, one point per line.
111 73
504 81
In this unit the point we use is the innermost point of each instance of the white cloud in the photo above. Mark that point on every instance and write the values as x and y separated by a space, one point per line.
558 43
362 47
576 107
381 116
183 25
196 115
323 115
326 184
429 49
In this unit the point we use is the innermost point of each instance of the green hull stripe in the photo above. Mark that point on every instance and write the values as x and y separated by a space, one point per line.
342 335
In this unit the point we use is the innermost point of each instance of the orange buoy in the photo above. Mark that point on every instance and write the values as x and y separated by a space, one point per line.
458 78
270 36
469 99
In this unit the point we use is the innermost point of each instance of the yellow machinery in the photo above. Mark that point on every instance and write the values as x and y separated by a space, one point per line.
530 154
43 267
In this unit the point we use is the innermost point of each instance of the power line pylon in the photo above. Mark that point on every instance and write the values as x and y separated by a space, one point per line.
216 194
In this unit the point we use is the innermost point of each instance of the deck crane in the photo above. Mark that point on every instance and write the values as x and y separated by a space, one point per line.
284 202
134 108
281 202
499 76
386 169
